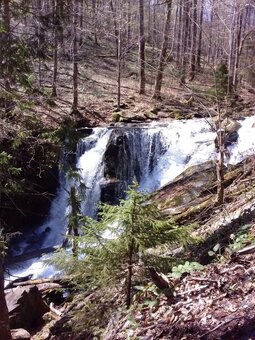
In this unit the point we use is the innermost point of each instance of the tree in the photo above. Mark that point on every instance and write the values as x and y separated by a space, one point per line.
7 185
141 48
57 30
75 57
163 54
115 243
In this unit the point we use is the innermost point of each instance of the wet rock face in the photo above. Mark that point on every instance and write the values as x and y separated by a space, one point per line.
114 154
132 153
112 192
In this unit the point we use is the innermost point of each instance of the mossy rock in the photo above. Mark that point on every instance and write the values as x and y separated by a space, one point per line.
132 118
178 114
116 116
164 115
150 115
154 110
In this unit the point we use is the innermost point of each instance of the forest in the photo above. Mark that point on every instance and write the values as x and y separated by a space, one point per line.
127 162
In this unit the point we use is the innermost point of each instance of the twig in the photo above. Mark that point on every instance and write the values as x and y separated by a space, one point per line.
246 250
202 279
54 310
192 290
218 326
238 266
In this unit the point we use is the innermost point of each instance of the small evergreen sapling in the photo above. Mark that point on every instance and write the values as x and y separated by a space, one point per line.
110 247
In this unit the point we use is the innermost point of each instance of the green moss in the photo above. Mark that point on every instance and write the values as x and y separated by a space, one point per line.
116 116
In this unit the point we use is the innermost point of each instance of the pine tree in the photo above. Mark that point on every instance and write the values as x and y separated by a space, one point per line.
112 246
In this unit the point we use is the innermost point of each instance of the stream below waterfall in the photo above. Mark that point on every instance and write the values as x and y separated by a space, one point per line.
154 153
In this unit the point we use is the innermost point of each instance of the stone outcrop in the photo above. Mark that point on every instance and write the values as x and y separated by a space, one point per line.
26 307
20 334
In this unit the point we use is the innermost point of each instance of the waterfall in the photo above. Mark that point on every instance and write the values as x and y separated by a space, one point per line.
152 153
90 164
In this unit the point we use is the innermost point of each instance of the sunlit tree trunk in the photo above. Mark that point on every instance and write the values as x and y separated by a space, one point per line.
141 48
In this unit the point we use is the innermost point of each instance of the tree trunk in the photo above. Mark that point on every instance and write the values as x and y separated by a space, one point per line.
193 42
75 220
185 40
130 273
5 333
81 21
119 71
232 44
75 58
55 51
6 36
220 176
141 48
220 161
199 49
116 33
163 54
238 49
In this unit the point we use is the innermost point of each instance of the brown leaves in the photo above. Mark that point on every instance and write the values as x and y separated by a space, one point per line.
209 304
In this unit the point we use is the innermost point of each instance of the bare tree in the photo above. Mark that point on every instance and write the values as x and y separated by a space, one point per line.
75 57
163 54
141 48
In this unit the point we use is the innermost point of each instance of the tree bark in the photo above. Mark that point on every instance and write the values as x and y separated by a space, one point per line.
163 54
6 36
220 161
199 49
130 273
56 22
75 58
193 42
141 48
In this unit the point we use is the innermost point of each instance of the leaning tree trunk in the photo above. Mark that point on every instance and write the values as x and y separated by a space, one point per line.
141 49
163 54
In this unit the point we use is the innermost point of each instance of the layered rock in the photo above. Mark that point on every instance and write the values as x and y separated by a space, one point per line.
26 307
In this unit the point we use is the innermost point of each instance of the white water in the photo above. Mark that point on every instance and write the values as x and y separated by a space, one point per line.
184 143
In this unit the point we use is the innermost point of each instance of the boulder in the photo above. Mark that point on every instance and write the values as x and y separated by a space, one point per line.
150 115
227 138
228 125
26 307
185 190
20 334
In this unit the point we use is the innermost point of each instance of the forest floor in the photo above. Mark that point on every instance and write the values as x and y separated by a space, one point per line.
98 93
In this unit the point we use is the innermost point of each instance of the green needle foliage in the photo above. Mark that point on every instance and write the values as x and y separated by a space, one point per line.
110 247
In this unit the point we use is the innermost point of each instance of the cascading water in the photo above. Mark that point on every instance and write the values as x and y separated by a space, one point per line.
153 153
90 164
